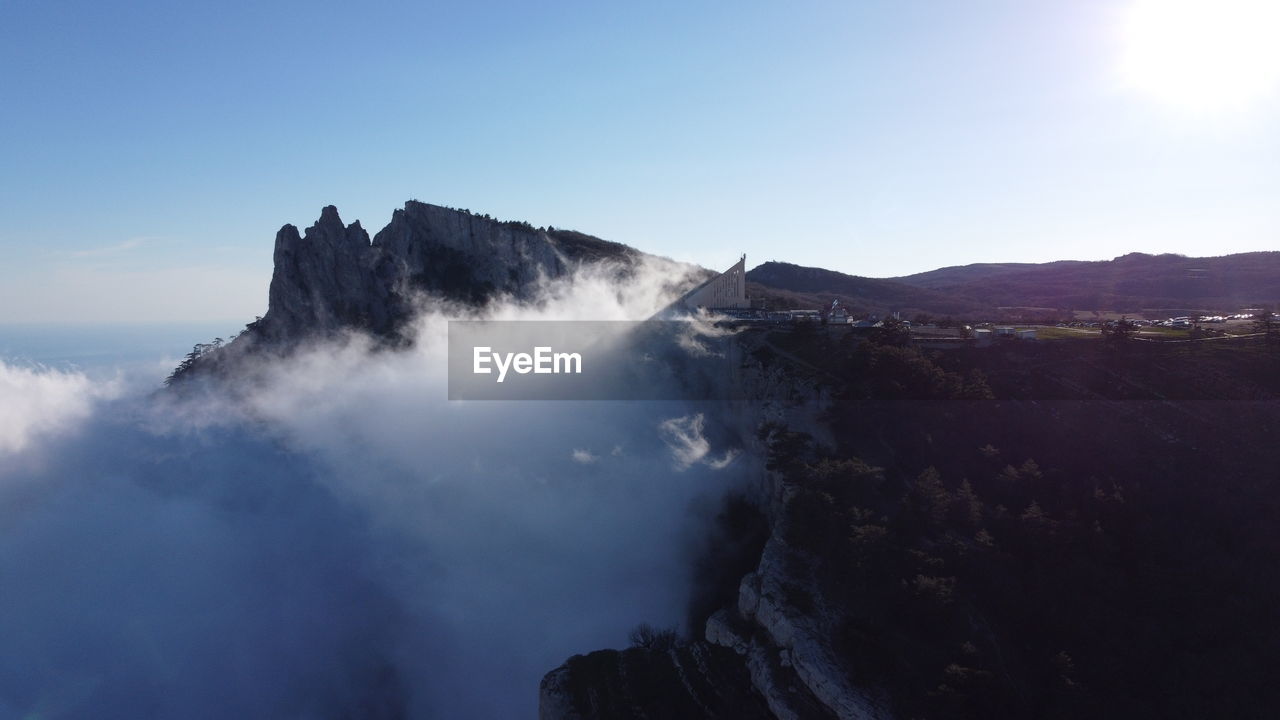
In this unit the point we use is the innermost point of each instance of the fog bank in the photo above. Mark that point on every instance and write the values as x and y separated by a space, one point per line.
330 537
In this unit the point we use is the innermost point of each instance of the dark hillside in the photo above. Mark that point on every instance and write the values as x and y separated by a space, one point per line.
1042 530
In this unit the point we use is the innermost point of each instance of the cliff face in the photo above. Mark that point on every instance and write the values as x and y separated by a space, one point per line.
324 279
769 650
689 680
333 276
787 648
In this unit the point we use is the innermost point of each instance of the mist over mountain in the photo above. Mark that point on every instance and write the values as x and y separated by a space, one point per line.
303 525
315 531
333 280
420 360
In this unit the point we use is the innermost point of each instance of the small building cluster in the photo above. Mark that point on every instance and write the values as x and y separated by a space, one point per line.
726 294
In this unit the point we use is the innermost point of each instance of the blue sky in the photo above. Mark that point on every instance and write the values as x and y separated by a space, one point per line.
151 150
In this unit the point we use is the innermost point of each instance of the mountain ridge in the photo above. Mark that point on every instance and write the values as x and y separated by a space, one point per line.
1128 283
333 276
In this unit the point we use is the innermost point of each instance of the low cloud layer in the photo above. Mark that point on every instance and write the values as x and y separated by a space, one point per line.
331 538
689 445
39 401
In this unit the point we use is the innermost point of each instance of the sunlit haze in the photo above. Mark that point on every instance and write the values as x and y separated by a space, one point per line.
1204 55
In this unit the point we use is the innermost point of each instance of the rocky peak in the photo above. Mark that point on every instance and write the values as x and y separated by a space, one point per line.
329 216
321 280
333 276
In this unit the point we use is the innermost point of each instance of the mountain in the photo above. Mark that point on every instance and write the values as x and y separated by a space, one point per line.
1130 283
785 285
922 534
961 274
333 276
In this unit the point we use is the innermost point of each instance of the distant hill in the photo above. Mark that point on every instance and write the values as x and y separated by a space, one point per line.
960 274
1131 283
787 285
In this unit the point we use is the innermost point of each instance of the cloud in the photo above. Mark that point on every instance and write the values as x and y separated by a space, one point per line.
689 446
724 460
39 401
328 535
699 327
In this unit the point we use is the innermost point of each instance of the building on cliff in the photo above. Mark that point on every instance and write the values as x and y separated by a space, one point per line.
726 291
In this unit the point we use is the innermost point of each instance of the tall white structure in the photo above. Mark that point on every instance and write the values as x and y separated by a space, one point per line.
726 291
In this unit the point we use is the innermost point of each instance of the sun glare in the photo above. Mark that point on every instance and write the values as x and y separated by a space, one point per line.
1203 55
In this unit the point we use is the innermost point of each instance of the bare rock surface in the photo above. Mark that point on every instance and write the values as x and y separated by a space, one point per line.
333 276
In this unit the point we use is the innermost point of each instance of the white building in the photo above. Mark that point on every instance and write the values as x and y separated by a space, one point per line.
726 291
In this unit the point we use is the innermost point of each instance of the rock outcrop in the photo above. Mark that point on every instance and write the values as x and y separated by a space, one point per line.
773 641
787 649
689 680
764 658
334 277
